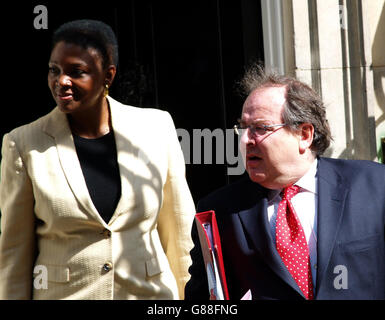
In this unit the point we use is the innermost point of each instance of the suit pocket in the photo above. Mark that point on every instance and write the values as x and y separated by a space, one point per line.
153 267
361 259
361 244
60 274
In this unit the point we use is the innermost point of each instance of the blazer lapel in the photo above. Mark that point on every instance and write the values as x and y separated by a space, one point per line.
256 225
57 126
331 201
125 132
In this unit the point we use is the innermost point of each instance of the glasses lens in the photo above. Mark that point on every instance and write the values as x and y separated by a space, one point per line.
259 131
253 130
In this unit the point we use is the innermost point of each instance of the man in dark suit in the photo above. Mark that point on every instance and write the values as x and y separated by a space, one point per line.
299 226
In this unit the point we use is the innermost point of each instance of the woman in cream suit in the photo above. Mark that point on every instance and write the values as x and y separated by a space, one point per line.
93 195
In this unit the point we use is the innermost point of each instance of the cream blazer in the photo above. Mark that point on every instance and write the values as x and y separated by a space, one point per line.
51 228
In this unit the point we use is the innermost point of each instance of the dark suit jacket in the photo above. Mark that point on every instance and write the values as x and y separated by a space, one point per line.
350 244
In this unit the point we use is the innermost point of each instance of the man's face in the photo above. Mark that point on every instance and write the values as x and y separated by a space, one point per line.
272 159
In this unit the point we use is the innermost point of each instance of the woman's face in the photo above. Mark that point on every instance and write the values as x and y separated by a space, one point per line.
76 77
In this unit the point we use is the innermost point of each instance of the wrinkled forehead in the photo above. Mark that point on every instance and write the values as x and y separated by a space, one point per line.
265 103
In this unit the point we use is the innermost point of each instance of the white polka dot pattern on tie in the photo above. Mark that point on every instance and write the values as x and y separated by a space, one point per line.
291 243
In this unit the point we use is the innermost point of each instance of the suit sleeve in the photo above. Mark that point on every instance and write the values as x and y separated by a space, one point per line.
17 238
177 213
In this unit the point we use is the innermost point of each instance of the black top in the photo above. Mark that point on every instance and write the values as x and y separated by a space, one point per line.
98 160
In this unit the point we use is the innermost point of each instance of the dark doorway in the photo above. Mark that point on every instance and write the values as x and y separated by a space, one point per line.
181 56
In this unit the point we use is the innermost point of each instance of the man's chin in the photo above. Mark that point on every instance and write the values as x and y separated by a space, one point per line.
261 178
256 176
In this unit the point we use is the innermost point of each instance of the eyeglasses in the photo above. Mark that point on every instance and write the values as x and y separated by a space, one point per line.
256 129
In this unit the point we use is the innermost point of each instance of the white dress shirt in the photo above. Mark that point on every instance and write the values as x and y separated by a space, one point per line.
305 206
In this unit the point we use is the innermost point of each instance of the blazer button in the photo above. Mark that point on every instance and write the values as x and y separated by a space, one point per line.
106 233
107 266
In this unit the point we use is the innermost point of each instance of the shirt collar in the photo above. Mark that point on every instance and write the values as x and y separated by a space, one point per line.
308 181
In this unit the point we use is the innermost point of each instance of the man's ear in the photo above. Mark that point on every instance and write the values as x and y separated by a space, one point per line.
306 134
110 74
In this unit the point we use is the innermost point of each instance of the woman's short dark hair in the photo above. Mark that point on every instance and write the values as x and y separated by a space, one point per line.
90 34
302 105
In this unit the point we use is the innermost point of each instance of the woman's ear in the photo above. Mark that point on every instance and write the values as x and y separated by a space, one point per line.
306 134
110 74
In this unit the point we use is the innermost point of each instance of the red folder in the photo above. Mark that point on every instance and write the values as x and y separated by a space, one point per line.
212 254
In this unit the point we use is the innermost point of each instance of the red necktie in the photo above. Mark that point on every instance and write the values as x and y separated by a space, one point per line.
291 243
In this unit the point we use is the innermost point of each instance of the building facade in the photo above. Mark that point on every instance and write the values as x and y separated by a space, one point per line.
338 48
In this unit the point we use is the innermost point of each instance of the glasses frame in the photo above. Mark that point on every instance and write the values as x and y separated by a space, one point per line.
253 131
